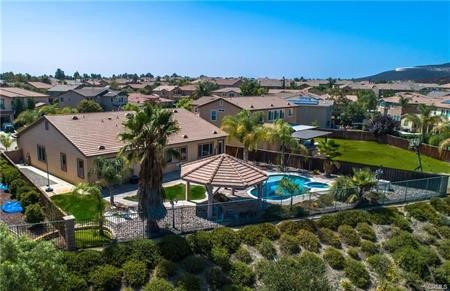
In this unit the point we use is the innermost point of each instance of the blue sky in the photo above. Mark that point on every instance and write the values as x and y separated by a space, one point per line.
255 39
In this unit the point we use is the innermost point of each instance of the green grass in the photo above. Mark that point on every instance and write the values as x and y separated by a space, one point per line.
83 207
373 153
86 238
178 191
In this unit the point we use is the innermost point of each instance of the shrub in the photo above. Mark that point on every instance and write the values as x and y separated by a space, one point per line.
34 213
188 282
334 258
76 283
328 221
289 244
354 253
145 250
199 242
15 184
165 269
225 237
441 205
357 273
10 174
267 250
352 217
269 231
174 248
83 262
117 253
23 189
328 237
369 248
308 240
243 255
289 227
105 277
424 212
28 198
215 278
431 230
235 287
135 273
399 240
381 264
220 257
366 231
349 235
431 257
388 216
240 273
444 231
442 274
193 264
444 249
411 260
158 284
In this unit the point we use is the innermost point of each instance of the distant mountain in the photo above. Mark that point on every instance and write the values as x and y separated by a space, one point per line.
428 73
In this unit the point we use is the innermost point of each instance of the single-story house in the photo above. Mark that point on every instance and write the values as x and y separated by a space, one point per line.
68 144
107 98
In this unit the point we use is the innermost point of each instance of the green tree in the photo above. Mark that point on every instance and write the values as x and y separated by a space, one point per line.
109 171
185 103
59 74
352 189
404 101
424 121
27 264
329 149
250 87
6 141
17 106
367 99
288 187
30 103
281 134
204 88
89 106
244 127
146 135
76 75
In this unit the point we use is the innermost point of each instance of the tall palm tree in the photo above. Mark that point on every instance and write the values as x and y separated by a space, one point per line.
444 145
424 121
329 149
95 192
443 128
288 187
147 133
244 127
6 140
404 101
281 133
204 88
109 172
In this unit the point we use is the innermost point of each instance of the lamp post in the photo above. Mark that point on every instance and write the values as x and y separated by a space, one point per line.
172 203
48 189
415 145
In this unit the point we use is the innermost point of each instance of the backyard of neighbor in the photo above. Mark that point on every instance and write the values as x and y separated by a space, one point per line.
377 154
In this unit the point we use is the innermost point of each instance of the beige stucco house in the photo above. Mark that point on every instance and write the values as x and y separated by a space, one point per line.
107 98
168 91
70 143
8 94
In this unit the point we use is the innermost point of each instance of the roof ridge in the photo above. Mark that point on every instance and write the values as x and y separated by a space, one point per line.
221 158
238 173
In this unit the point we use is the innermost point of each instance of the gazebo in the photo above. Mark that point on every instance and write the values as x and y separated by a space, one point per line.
222 171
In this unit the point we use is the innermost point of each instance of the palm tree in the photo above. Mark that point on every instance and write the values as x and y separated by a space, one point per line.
109 172
424 121
288 187
281 133
6 141
352 189
204 88
364 179
404 101
444 145
244 127
96 193
442 130
329 149
147 133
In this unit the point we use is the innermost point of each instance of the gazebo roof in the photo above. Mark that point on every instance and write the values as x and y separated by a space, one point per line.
222 170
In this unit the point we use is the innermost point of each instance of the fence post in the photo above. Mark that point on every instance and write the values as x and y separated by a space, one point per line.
69 232
406 191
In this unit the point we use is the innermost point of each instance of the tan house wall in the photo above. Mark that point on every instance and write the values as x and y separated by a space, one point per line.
306 115
70 99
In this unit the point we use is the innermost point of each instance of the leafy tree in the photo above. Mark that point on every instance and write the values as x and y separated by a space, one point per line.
17 106
288 187
382 124
89 106
147 133
352 189
329 149
367 99
424 121
281 133
59 74
6 141
244 127
109 172
95 192
76 75
185 103
30 103
114 85
293 85
26 264
204 88
404 101
250 87
352 112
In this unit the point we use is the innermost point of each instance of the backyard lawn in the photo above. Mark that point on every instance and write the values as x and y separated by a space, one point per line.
86 238
177 192
83 207
373 153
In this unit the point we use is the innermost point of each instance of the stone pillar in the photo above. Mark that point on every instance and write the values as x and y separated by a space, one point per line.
69 232
188 187
209 188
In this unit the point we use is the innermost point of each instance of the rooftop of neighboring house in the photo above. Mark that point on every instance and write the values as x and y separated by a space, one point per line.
266 82
96 91
437 94
228 89
248 102
63 88
416 98
97 133
166 88
445 86
14 92
140 85
226 81
190 87
40 85
140 99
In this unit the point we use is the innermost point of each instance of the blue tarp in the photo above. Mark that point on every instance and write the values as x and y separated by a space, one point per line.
4 187
12 207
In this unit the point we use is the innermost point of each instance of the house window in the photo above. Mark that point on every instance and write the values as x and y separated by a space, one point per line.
46 125
182 155
80 168
41 154
205 149
213 115
2 104
221 110
220 147
63 161
270 115
61 99
281 113
290 111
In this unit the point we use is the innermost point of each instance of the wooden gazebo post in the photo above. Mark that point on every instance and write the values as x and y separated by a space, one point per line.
209 189
188 188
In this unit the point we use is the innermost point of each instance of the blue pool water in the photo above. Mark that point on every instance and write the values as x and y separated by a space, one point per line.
318 185
271 185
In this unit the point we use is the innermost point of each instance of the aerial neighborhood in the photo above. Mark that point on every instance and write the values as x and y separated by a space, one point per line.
275 157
